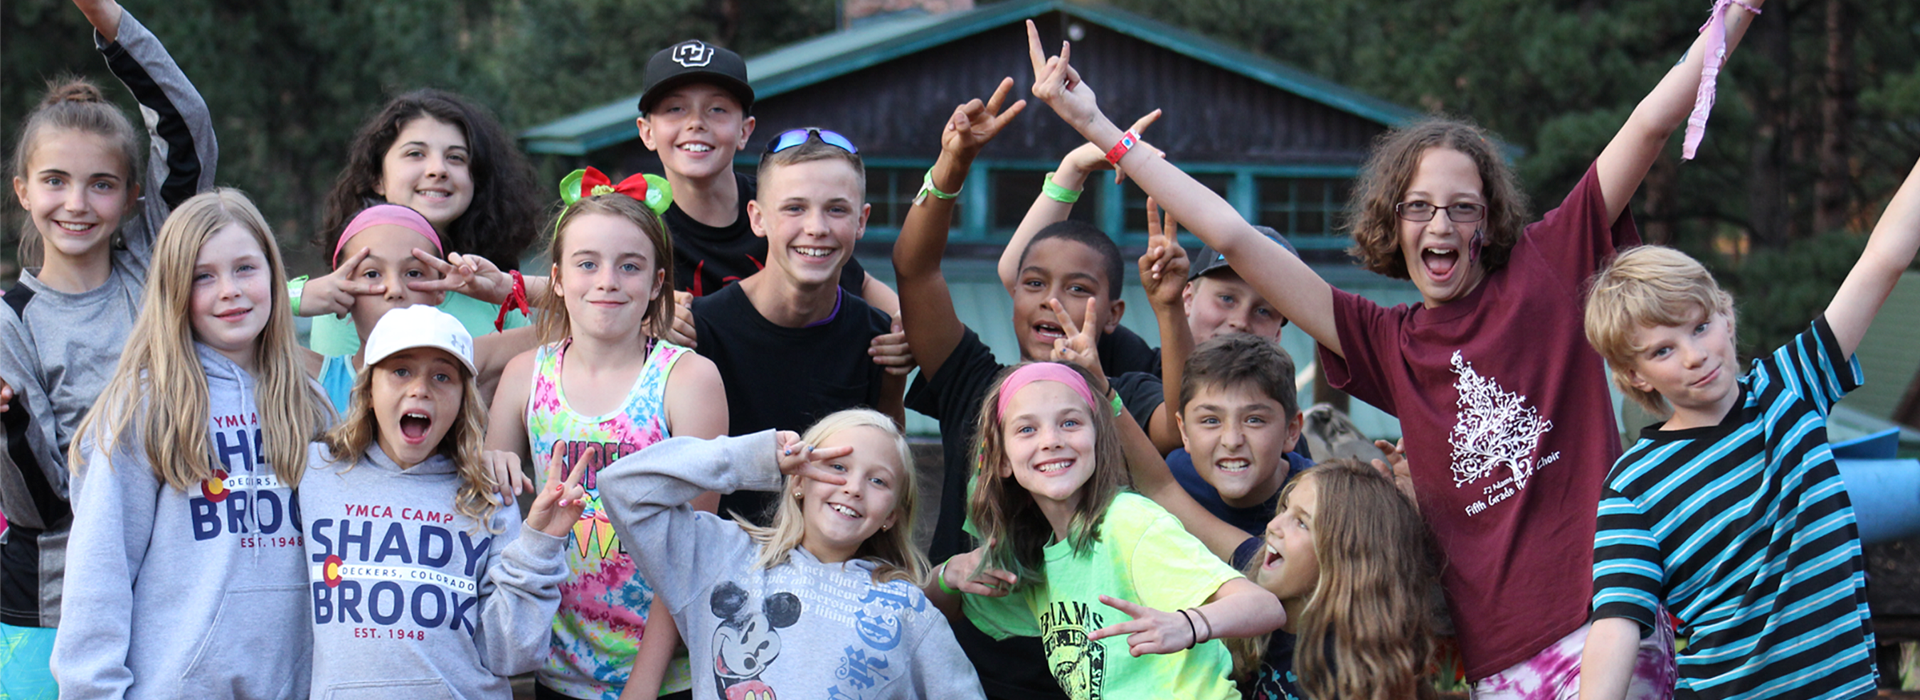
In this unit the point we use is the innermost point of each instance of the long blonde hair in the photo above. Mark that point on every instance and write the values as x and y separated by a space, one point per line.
1367 630
159 388
360 429
892 550
1006 514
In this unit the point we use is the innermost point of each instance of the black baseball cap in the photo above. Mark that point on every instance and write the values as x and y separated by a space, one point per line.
696 61
1207 261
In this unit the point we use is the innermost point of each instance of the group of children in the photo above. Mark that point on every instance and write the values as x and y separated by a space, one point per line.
198 505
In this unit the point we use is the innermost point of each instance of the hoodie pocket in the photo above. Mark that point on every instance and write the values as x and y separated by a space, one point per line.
259 644
422 689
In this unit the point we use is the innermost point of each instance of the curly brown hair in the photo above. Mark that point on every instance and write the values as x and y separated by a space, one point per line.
1389 171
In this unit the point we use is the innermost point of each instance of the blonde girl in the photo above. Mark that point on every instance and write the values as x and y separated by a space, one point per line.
1075 560
1347 556
184 564
834 580
92 206
422 585
605 384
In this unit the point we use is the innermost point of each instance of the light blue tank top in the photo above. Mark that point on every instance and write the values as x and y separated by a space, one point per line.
336 378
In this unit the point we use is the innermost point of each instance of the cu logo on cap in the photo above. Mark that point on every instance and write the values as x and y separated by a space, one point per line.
692 54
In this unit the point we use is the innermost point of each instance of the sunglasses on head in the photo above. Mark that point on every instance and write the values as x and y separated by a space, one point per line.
794 137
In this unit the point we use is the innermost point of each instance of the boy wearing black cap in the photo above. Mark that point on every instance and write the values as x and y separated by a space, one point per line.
696 114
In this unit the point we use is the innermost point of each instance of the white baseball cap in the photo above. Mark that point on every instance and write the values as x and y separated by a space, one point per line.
419 326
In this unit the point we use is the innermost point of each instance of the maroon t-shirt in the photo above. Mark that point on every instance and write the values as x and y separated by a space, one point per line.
1509 428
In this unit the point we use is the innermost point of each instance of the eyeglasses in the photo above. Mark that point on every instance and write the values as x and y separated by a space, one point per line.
794 137
1462 213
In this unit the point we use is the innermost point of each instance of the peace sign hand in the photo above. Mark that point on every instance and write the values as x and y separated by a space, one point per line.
334 292
471 275
974 124
799 459
965 573
560 503
1081 346
1150 631
1163 269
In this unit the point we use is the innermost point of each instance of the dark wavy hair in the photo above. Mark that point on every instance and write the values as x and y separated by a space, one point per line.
505 215
1389 171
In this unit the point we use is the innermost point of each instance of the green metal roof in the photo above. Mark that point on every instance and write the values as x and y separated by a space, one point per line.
832 55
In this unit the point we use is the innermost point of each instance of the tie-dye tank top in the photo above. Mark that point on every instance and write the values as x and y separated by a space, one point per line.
603 603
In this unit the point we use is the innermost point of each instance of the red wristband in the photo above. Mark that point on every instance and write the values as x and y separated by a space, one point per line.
516 299
1127 141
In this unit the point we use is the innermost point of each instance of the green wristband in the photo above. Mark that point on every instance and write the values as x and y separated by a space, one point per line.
1119 406
927 188
1057 193
294 287
941 576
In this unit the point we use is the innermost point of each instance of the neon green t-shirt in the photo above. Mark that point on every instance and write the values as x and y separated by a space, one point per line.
1145 556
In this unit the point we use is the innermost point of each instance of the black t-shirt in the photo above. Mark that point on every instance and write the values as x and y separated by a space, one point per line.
1124 351
1016 667
786 378
1275 680
707 258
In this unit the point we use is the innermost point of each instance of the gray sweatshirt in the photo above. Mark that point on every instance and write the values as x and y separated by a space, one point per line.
186 594
803 629
410 597
57 350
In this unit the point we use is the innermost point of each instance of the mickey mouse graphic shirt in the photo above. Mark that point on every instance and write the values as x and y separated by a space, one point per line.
800 630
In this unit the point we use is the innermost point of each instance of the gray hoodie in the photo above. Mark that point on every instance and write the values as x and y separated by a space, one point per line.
845 636
58 350
410 597
176 594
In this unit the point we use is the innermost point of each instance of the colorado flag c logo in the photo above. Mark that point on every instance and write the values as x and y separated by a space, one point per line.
215 487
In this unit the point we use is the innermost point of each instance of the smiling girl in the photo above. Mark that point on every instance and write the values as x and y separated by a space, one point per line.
834 578
1070 556
440 154
92 209
606 382
184 564
1347 555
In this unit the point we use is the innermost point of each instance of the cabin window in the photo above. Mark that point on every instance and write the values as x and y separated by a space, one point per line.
890 191
1302 206
1015 190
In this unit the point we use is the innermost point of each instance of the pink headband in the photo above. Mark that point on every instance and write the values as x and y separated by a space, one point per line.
1043 372
394 214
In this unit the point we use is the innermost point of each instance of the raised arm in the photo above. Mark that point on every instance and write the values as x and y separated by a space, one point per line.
1889 251
1283 279
926 305
520 592
1163 271
1046 210
1624 163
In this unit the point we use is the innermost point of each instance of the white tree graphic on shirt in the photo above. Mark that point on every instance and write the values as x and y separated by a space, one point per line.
1495 428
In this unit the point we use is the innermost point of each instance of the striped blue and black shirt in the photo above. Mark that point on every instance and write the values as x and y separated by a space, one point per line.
1745 532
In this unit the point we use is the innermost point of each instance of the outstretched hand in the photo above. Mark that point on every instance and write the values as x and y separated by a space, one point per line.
334 292
1056 83
471 275
1150 631
560 503
1164 267
965 573
1088 158
1081 346
799 459
975 123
